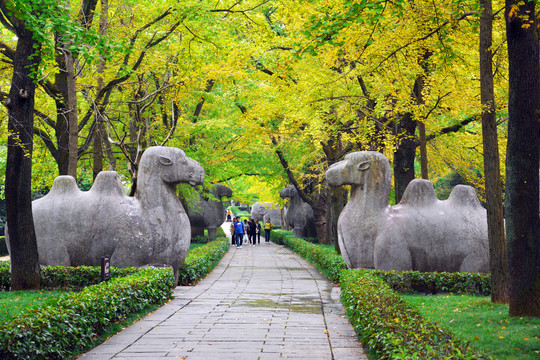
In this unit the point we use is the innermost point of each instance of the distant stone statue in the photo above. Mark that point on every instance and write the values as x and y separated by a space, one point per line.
78 228
208 213
299 214
420 233
263 211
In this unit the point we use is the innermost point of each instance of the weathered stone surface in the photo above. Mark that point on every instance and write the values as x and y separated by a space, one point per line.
78 228
208 213
263 211
420 233
299 214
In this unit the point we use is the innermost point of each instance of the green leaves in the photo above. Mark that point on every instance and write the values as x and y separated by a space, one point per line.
53 331
394 329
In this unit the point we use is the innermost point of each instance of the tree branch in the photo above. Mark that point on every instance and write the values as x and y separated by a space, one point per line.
290 175
48 142
449 129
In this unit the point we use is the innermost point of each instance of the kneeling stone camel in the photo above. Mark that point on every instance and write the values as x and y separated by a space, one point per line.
420 233
78 228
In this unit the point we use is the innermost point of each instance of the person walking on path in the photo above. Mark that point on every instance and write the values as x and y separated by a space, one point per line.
267 228
233 235
246 232
258 232
239 232
252 231
228 215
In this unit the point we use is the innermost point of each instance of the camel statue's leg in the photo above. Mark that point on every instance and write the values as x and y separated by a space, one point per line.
391 252
211 233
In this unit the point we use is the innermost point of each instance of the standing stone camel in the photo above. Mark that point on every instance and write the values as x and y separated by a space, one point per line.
78 228
299 214
208 213
420 233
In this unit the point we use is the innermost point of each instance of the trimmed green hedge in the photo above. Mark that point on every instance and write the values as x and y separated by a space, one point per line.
395 330
71 323
65 277
202 260
54 331
237 212
437 282
324 259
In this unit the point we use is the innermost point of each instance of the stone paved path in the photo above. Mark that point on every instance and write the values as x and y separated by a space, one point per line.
261 302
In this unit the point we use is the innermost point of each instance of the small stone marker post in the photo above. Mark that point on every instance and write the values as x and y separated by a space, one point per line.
105 268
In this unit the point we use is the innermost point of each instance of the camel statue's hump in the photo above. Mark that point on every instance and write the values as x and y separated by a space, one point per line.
107 183
464 195
419 192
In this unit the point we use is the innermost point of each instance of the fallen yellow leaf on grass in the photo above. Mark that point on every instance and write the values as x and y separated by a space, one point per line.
500 337
526 339
476 337
504 328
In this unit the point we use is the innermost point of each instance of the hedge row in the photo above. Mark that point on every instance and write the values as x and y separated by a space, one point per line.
202 260
325 260
55 330
63 326
383 321
437 282
65 277
395 330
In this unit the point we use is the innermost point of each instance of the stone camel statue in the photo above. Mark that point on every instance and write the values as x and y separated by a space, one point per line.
208 213
263 211
299 213
420 233
152 228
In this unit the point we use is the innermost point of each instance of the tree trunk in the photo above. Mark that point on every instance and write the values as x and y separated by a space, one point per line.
73 123
404 156
320 214
25 271
492 171
423 150
337 201
522 159
62 140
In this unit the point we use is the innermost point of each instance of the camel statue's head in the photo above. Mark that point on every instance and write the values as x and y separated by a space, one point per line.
288 192
171 165
223 191
360 168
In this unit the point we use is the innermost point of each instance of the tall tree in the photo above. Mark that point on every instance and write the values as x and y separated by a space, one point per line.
25 271
492 171
522 158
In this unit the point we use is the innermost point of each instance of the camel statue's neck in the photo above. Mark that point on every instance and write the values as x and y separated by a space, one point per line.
152 191
370 199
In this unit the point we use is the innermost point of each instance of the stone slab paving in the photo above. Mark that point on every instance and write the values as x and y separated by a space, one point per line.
261 302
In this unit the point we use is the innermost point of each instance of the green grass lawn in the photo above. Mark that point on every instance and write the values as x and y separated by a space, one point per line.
484 324
13 303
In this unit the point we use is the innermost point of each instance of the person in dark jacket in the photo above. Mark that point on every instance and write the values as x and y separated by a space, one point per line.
258 232
252 231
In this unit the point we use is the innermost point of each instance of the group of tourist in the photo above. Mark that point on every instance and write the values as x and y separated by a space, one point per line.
249 231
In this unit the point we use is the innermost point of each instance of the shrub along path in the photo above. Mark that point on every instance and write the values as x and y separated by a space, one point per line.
261 302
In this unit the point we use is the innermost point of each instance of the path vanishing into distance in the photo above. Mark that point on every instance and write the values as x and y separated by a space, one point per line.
260 302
